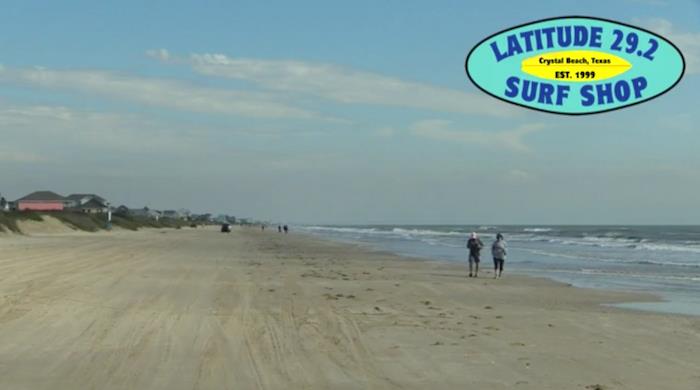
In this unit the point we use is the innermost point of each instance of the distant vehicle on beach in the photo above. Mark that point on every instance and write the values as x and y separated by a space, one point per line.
225 228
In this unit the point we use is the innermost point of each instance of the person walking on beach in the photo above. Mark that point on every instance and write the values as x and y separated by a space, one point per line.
498 250
279 229
286 229
474 245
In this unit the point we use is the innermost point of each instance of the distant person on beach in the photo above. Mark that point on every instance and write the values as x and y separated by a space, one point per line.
279 229
262 227
474 245
498 250
286 229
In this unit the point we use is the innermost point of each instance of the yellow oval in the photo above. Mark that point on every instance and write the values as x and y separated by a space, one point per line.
575 66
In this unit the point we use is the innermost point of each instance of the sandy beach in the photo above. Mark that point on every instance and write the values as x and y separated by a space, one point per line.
197 309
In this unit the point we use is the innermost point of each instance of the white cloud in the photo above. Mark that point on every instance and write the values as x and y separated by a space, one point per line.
509 139
344 85
158 92
52 128
161 54
688 42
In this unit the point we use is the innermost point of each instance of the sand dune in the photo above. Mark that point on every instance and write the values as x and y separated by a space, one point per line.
47 225
196 309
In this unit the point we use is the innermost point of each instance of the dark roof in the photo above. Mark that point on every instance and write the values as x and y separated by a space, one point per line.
43 195
92 204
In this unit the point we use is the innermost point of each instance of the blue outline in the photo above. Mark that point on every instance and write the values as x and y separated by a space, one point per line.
466 68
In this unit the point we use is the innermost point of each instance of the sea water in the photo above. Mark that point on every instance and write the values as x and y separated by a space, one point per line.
663 260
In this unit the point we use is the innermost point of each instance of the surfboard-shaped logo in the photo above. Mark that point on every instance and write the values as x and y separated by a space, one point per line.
575 65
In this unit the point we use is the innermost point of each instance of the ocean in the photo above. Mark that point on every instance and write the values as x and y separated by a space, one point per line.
663 260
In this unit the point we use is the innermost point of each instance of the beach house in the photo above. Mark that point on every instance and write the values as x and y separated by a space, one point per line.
42 201
145 212
93 206
87 203
76 201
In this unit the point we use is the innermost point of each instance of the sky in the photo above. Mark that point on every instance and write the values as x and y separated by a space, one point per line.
331 112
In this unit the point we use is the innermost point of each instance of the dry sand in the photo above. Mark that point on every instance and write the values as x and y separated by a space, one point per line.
197 309
47 225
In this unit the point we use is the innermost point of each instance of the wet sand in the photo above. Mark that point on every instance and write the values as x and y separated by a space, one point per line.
197 309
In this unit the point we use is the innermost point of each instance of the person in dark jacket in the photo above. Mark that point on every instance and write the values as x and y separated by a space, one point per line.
474 245
498 250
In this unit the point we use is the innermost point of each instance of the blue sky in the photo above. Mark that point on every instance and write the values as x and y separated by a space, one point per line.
320 112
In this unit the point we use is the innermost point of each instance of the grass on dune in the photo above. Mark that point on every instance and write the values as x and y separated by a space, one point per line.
87 222
81 221
8 220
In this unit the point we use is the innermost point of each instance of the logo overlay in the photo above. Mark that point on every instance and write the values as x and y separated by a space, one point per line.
575 65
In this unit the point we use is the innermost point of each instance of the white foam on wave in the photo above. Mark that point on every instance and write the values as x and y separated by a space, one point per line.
609 273
577 256
425 232
606 240
342 229
674 263
395 232
537 230
637 275
668 247
612 260
596 241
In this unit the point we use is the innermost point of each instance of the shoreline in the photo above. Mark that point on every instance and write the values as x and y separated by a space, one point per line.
199 309
652 302
628 297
